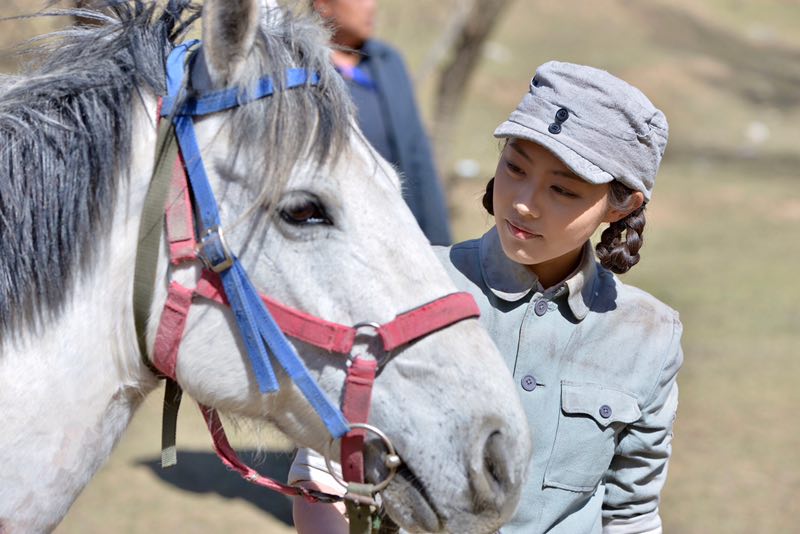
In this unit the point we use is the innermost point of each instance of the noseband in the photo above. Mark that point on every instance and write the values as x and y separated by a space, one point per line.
262 322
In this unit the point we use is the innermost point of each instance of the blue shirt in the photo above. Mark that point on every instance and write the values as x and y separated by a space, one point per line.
371 118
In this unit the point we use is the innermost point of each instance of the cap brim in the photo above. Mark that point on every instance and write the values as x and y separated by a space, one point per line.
577 163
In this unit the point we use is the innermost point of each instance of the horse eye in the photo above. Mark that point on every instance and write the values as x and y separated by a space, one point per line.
305 211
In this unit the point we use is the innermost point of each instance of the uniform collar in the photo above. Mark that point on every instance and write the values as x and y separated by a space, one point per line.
512 281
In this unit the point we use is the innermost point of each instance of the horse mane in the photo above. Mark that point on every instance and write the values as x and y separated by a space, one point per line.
66 134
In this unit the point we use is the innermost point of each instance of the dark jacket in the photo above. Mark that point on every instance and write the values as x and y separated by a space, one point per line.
422 189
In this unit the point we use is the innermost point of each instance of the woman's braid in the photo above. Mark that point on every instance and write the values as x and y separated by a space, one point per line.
615 253
488 196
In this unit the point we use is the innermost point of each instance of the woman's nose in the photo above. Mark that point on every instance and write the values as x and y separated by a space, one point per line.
527 208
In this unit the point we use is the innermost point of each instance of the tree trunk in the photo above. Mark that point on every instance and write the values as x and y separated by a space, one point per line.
454 77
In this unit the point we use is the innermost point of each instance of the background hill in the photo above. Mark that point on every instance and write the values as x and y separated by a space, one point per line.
721 247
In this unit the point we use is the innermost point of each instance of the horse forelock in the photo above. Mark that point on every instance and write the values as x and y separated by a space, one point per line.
66 136
304 124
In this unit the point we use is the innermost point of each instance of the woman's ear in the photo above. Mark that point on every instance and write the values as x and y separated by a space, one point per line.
635 202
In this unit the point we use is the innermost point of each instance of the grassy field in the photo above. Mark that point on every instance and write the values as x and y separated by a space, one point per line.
721 247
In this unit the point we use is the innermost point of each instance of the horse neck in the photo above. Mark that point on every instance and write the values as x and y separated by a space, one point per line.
71 386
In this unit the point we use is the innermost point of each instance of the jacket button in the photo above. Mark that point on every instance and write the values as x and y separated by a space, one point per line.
528 382
540 308
562 115
554 128
605 411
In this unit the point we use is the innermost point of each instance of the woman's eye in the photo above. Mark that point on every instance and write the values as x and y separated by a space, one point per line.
305 212
513 168
564 192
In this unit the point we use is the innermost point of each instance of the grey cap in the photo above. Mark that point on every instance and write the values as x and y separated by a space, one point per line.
601 127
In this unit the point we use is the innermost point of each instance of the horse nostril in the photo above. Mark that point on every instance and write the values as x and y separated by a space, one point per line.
492 462
489 473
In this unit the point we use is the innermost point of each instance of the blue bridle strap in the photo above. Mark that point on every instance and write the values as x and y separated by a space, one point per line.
257 327
231 98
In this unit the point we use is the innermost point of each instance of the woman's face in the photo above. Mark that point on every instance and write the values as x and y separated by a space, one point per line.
543 211
353 20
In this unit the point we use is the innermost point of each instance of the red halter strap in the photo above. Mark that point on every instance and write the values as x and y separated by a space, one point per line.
335 338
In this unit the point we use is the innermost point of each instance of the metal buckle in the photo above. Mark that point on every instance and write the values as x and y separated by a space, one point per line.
215 238
392 461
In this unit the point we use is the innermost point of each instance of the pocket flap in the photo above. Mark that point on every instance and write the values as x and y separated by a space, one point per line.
603 404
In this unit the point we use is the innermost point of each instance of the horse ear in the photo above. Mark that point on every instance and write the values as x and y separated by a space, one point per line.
229 31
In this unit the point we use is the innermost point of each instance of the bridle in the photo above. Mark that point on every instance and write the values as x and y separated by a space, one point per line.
179 189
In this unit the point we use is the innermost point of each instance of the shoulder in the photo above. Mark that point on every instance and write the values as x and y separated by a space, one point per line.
638 325
381 49
461 250
634 301
462 262
386 57
616 300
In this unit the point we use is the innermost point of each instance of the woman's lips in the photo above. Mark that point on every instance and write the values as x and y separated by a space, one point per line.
520 233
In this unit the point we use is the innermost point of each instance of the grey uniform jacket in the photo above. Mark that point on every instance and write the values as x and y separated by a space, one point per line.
595 363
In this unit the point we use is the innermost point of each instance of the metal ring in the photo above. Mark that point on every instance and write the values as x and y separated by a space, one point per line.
391 461
367 324
361 326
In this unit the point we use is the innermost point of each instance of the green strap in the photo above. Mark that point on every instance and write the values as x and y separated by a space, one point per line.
169 423
150 230
360 517
362 510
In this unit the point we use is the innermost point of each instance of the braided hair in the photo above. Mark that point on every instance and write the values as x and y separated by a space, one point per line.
488 196
615 253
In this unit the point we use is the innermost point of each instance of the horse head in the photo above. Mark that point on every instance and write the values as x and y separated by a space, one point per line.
317 220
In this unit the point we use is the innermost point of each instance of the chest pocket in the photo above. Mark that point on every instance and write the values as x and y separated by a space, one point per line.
591 417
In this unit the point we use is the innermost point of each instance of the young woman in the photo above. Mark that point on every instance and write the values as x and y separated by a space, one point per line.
595 360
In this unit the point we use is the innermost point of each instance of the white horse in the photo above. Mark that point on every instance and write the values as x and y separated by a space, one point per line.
314 214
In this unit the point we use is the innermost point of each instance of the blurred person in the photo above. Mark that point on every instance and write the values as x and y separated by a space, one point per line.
595 360
387 112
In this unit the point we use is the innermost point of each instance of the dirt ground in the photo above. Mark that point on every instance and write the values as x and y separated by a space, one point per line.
132 494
